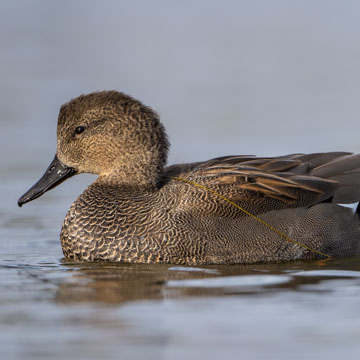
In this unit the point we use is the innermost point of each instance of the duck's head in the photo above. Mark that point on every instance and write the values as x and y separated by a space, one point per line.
110 134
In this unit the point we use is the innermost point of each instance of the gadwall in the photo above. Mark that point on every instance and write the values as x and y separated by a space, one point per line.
233 209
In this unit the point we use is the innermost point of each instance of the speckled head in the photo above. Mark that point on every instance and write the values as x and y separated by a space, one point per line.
110 134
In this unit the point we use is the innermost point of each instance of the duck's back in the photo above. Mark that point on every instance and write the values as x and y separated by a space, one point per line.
260 185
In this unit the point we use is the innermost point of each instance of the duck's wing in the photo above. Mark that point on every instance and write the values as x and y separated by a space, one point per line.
274 183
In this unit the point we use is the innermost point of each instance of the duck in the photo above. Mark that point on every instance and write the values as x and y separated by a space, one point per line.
234 209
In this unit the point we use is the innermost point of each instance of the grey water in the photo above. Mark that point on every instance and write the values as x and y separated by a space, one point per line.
227 77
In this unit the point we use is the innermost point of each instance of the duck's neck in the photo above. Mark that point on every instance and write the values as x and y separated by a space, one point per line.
142 178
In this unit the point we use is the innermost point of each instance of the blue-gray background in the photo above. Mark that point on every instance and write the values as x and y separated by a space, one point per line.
265 77
259 77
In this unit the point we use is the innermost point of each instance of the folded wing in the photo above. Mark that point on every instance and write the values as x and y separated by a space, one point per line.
264 184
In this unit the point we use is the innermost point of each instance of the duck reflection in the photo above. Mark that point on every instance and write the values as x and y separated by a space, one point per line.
115 283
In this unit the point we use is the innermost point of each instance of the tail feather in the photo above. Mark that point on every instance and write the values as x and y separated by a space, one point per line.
343 164
345 170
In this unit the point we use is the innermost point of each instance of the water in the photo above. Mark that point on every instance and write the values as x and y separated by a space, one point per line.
229 77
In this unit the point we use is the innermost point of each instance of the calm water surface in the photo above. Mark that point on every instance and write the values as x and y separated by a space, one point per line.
251 77
51 308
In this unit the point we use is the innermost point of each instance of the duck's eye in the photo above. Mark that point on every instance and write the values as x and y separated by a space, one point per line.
79 129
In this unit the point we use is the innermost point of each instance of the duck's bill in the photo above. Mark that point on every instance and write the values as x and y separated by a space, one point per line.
54 175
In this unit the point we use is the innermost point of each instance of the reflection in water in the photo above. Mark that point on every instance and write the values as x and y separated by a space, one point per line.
118 283
114 283
55 309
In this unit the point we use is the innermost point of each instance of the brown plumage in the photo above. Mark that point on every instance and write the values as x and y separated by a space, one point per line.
137 212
